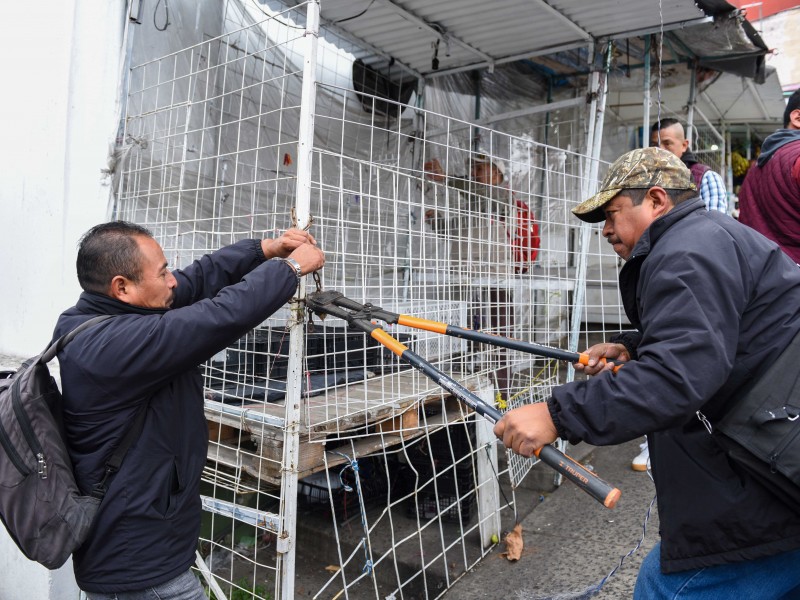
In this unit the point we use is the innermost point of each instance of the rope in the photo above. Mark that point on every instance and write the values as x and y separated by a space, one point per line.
352 464
593 590
513 506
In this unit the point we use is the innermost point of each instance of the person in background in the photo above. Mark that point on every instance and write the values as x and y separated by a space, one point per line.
713 304
769 200
146 358
668 134
481 194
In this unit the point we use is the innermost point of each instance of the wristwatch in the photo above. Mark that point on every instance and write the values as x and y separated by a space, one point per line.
294 266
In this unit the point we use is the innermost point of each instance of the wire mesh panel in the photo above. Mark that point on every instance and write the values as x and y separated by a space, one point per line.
418 213
412 220
709 149
210 142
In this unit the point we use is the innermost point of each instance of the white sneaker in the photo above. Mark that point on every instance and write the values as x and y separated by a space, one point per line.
642 460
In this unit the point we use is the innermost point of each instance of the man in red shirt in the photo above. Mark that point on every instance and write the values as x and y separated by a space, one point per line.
481 194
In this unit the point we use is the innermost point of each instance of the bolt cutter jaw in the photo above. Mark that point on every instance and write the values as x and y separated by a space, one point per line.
320 302
334 303
325 303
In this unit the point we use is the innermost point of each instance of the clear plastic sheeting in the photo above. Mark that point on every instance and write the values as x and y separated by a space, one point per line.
421 211
729 44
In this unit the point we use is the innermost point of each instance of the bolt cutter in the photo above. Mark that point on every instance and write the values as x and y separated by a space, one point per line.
362 316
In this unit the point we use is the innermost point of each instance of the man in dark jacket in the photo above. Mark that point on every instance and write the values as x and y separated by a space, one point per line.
769 200
713 304
668 134
146 357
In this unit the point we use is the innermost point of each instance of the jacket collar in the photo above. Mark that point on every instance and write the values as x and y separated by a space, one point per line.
775 142
661 224
629 275
91 302
689 158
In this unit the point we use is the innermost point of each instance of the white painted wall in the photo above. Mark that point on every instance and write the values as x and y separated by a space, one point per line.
59 111
58 114
23 579
782 32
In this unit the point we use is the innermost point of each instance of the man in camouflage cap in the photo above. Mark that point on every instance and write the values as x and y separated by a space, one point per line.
713 304
638 170
641 170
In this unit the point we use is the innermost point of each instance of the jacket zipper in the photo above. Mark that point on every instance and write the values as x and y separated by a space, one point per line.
776 454
704 421
27 430
16 459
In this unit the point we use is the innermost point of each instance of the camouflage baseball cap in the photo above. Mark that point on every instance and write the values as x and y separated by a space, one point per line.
638 169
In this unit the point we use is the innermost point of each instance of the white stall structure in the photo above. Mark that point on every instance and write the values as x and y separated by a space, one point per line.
334 471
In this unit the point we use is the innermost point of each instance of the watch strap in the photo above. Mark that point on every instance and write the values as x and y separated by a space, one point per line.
293 265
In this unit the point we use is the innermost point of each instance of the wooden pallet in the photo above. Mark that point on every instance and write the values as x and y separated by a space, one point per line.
374 416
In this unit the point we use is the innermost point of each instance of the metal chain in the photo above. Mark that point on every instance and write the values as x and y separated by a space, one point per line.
315 275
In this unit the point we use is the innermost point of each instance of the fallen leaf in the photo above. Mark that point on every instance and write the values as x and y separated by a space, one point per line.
333 568
514 543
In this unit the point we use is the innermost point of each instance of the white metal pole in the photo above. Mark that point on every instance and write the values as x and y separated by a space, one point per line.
709 124
125 78
749 144
726 149
489 524
646 101
286 544
594 82
599 92
692 100
580 266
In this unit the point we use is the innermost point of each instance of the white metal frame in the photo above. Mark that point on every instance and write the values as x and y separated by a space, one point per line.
163 185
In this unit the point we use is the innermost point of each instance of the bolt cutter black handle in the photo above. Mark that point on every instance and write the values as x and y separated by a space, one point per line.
323 301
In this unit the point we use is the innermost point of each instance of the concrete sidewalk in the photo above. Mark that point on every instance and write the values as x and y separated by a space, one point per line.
572 541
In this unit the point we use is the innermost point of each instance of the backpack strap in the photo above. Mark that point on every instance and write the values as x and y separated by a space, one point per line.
115 461
54 348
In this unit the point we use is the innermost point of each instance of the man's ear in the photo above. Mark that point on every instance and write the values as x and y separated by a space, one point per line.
794 119
120 288
660 200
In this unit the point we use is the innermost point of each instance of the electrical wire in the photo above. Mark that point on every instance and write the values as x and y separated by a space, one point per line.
274 17
166 16
354 16
660 61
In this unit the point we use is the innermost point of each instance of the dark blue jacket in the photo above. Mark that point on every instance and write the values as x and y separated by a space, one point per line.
715 302
147 527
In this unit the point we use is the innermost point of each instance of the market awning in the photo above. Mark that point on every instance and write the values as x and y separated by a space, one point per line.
728 98
434 38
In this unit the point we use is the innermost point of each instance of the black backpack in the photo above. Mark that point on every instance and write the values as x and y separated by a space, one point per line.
40 503
760 428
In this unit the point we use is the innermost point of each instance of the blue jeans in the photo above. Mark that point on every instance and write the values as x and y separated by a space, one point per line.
772 578
183 587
